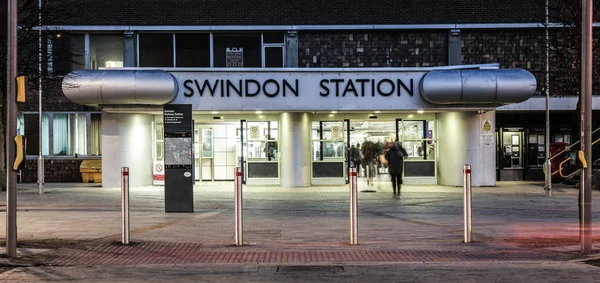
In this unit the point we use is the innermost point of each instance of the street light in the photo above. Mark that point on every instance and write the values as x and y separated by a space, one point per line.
585 189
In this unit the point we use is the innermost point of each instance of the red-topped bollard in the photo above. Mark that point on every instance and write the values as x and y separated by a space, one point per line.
238 207
353 207
125 205
467 199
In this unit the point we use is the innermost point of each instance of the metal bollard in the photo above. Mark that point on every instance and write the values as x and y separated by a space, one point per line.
549 177
238 207
353 207
467 199
125 205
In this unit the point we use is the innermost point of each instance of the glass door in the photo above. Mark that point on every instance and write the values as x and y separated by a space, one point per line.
240 150
418 139
329 153
348 148
261 152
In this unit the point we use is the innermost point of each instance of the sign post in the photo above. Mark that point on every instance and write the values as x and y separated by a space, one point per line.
179 184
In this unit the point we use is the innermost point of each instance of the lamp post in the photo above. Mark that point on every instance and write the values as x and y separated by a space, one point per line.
40 121
585 191
547 138
11 129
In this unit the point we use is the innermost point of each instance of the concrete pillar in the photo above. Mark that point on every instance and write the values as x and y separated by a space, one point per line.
291 49
127 142
129 50
294 149
454 47
462 139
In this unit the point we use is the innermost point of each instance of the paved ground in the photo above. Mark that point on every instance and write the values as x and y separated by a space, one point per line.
404 272
70 233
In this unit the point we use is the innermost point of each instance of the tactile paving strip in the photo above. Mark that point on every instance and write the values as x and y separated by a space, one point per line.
180 253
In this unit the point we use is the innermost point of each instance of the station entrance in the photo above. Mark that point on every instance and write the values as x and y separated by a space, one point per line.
223 141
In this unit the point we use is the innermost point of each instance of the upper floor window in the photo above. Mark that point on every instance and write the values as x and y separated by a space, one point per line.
106 51
238 50
68 53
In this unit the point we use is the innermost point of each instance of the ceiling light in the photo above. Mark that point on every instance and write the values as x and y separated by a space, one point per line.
333 112
420 111
411 115
331 115
376 112
258 112
215 112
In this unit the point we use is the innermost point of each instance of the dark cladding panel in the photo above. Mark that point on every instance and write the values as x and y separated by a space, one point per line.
419 169
328 169
263 170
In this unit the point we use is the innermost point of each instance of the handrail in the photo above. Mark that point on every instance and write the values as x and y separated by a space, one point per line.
569 158
563 162
569 147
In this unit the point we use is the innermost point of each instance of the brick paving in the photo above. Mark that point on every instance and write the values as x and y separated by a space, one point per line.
184 253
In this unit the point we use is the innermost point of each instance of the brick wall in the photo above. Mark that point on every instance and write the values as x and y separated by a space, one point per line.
56 170
297 12
373 49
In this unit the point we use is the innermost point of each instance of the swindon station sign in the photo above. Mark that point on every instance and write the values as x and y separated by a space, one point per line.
300 90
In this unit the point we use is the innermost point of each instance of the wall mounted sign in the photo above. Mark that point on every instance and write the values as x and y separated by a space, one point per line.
234 57
487 135
254 132
336 132
300 90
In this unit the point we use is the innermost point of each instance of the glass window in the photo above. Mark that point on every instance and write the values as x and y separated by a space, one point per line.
159 142
250 44
68 53
106 51
96 134
418 139
156 49
28 126
262 140
192 49
332 144
274 57
61 134
79 136
273 37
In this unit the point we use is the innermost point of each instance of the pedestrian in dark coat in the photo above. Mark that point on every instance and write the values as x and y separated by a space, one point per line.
395 158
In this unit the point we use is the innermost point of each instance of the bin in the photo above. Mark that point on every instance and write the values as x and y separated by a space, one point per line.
91 171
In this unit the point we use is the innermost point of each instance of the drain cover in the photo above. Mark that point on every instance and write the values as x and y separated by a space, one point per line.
311 268
368 191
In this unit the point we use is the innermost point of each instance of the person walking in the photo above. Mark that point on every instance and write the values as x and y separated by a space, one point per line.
395 157
355 157
369 161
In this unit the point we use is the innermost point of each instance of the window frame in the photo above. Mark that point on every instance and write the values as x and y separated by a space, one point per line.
50 138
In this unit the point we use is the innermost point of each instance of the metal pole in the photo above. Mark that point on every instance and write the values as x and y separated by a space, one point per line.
40 133
353 207
238 208
547 138
586 131
549 177
11 130
125 205
467 200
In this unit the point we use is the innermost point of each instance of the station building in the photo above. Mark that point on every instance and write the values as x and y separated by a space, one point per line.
285 88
